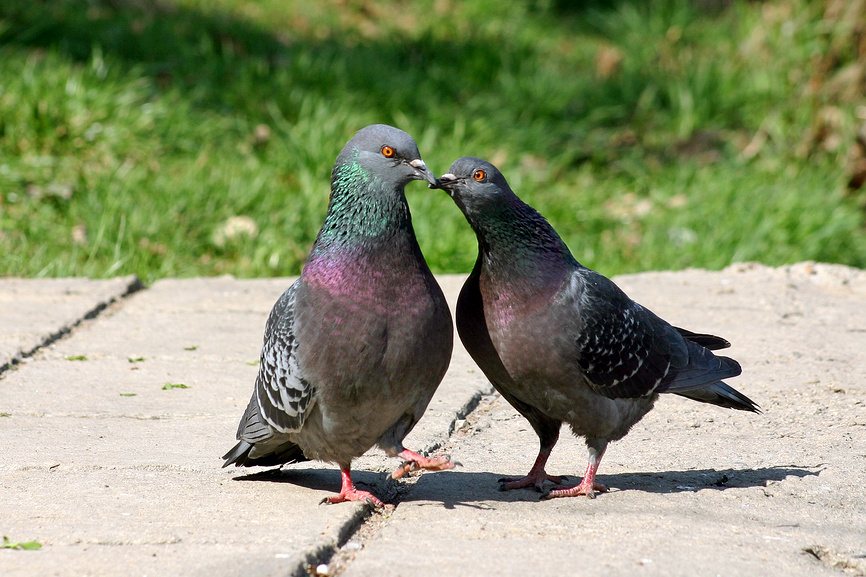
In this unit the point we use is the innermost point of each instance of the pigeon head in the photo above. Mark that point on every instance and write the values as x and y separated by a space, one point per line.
384 154
504 224
367 188
475 185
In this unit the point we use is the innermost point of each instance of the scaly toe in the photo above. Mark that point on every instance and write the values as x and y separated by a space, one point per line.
353 495
581 489
437 464
534 481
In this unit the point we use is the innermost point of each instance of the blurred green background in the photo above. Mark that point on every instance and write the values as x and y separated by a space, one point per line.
193 137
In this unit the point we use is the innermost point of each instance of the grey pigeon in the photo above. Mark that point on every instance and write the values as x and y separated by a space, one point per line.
563 343
355 348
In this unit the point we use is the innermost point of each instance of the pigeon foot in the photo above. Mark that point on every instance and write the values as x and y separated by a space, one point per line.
354 495
534 479
585 488
414 462
536 476
348 492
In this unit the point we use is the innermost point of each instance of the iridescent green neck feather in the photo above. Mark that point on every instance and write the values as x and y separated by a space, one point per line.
363 209
517 241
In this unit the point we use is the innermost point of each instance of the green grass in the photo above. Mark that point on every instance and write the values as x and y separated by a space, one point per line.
653 135
25 545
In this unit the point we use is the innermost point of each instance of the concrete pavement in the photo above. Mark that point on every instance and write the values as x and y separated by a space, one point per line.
116 475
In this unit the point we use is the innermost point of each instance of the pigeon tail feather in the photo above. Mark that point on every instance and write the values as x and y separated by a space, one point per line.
703 369
701 381
283 454
711 342
238 455
722 395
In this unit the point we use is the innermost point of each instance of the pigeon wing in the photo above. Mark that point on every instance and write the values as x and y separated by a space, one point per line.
624 350
282 394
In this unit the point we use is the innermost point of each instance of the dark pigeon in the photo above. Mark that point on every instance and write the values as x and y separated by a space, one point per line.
563 343
354 350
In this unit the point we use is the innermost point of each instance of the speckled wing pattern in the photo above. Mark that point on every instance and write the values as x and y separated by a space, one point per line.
625 351
282 393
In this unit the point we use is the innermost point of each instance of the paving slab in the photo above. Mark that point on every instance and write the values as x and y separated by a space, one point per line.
33 313
116 475
696 490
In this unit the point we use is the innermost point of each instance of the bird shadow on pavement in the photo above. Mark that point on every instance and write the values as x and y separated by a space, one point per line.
698 479
318 479
474 489
459 487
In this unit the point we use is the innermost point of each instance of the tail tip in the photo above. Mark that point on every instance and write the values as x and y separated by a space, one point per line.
237 455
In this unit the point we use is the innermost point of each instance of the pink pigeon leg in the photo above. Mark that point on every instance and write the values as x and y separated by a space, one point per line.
348 492
588 485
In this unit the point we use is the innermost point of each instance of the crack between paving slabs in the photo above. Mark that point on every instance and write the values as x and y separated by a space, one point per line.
337 554
63 332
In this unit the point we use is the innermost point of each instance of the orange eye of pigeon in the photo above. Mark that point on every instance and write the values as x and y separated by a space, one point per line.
387 151
479 175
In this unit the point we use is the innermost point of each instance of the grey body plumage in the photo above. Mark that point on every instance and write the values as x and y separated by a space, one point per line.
561 342
354 350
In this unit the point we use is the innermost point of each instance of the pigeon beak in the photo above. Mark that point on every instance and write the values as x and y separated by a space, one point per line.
422 171
444 181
